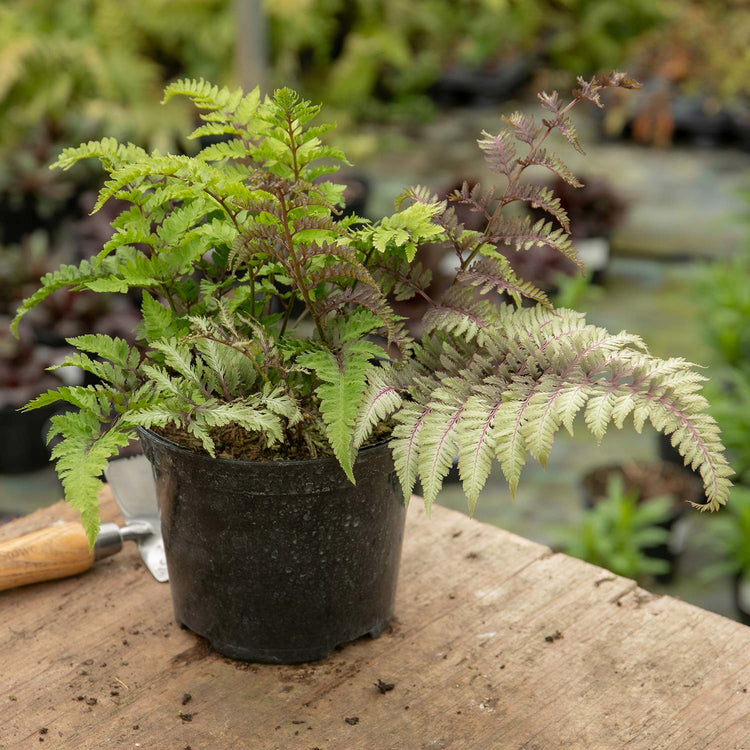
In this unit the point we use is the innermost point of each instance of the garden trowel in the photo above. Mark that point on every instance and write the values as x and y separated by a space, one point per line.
62 550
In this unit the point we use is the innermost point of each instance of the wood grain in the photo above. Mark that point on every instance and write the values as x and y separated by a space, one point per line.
47 554
497 643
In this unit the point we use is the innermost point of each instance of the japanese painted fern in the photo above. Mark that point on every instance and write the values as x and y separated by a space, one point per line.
266 312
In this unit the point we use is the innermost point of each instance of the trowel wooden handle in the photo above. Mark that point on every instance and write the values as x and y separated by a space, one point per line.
55 552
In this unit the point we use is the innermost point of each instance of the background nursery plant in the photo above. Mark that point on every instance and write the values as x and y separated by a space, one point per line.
267 328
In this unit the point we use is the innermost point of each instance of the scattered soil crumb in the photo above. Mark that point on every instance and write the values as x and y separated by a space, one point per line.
457 533
352 720
136 727
553 637
472 556
186 698
185 717
43 730
91 701
297 721
384 687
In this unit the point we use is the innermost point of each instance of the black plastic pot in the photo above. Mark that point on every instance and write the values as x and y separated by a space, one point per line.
279 561
741 592
23 436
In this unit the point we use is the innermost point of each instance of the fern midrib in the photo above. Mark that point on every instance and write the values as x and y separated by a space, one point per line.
686 422
371 407
414 432
444 437
543 347
465 313
480 443
297 267
512 181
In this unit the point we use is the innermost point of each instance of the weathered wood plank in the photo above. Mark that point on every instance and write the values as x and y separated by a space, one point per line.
498 643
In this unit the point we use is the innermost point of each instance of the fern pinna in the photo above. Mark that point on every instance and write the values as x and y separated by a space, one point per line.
268 313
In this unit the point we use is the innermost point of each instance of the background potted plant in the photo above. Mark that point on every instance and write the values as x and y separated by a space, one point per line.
725 303
229 389
728 534
24 375
645 481
619 531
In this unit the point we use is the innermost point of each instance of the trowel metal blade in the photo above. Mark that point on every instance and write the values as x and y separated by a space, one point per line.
132 483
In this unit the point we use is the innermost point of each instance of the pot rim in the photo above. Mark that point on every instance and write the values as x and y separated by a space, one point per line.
176 447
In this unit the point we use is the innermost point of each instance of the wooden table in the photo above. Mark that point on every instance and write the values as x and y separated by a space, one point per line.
497 643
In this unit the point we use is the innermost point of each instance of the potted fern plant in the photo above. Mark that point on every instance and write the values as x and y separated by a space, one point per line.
285 445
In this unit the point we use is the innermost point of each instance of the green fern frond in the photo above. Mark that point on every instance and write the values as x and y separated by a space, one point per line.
115 350
232 149
380 400
217 414
112 154
343 379
476 445
406 444
81 457
158 321
406 229
438 436
277 401
73 277
153 415
179 357
208 96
